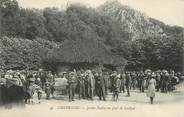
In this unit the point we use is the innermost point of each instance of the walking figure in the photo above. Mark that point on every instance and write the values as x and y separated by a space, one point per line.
151 87
127 83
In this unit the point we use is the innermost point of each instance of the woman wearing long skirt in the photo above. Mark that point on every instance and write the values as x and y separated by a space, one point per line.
151 88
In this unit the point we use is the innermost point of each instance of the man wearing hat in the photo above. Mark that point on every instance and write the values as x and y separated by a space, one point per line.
122 88
71 86
29 89
2 84
112 79
42 76
80 85
164 81
158 78
101 86
47 89
133 81
173 81
127 83
117 85
106 77
90 84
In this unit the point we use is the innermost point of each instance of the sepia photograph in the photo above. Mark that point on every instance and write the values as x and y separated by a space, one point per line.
94 58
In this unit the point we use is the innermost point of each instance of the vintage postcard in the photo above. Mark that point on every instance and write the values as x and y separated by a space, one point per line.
94 58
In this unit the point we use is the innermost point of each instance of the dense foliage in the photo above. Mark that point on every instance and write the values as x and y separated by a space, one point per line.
31 36
16 53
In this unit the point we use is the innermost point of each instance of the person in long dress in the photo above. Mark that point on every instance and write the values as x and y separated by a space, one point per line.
151 87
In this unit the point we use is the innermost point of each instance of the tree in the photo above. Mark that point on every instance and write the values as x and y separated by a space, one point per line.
9 15
55 24
35 24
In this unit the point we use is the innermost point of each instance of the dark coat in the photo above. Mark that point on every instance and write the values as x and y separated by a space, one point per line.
12 94
127 80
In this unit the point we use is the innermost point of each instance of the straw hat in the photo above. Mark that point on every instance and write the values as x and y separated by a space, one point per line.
31 79
147 70
118 76
164 71
153 75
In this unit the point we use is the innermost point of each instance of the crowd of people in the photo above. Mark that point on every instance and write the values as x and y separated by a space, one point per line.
19 86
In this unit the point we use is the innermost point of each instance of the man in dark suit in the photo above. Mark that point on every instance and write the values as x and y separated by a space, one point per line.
164 81
101 84
127 83
71 83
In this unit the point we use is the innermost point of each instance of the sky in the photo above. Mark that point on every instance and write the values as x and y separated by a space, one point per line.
169 11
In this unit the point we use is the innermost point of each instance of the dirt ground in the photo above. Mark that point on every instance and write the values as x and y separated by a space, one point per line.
137 105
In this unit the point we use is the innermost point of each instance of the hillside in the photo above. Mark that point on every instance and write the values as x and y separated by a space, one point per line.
111 34
135 22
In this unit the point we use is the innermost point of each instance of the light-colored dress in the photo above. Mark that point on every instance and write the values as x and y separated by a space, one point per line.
151 88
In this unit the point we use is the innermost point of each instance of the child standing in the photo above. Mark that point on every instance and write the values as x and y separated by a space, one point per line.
39 93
